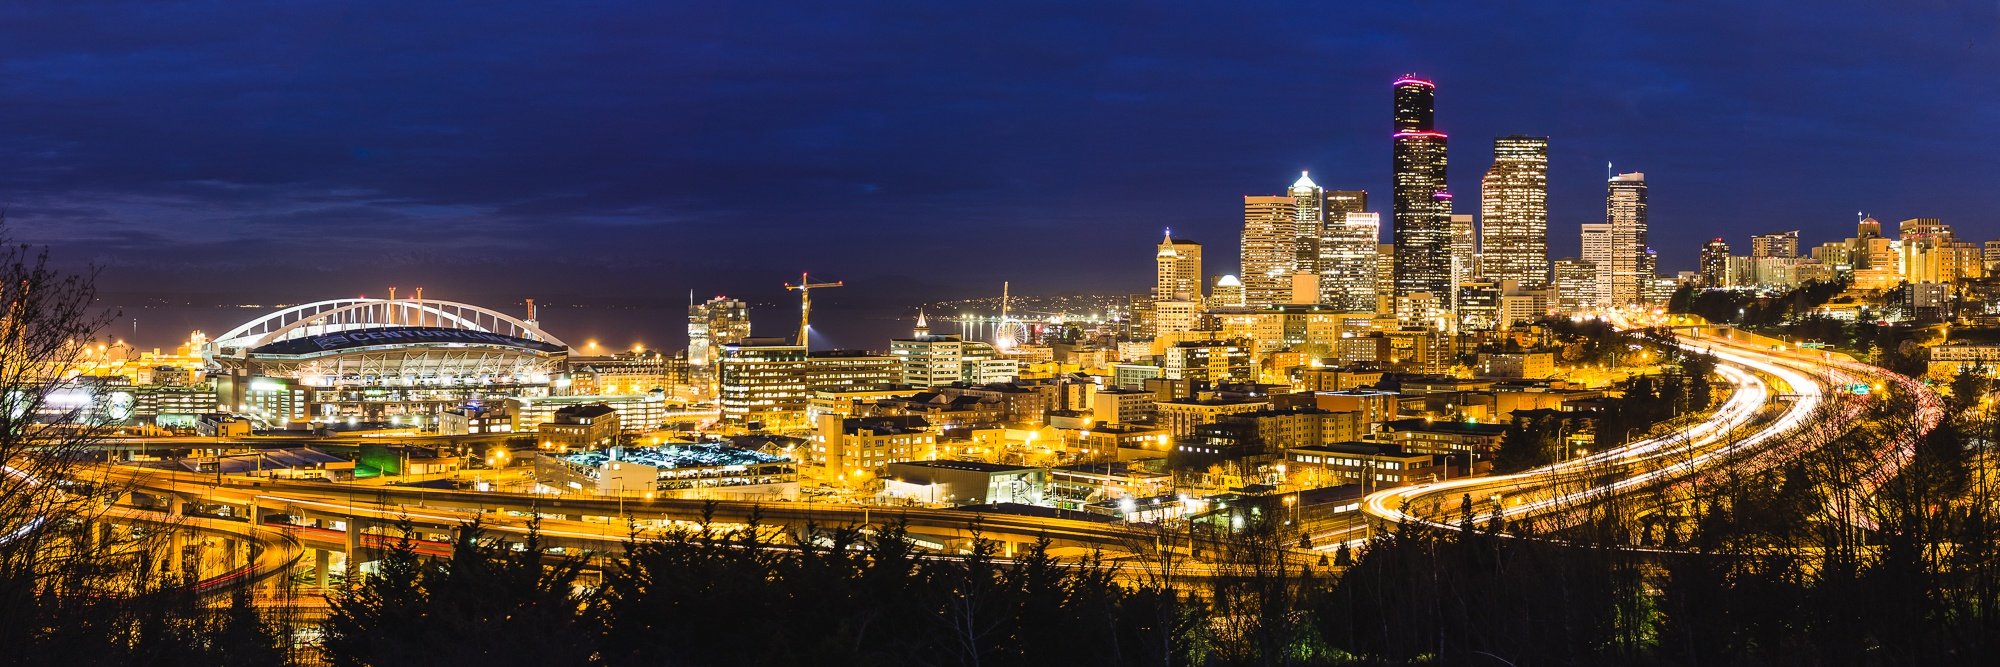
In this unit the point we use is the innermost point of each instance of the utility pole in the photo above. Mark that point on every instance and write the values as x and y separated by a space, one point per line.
805 288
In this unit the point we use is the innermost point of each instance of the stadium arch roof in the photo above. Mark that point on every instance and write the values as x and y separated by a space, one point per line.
362 314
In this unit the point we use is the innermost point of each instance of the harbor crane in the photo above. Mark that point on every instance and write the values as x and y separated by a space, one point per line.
805 288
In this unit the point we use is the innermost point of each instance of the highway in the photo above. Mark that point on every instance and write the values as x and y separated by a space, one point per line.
602 523
1779 403
1740 433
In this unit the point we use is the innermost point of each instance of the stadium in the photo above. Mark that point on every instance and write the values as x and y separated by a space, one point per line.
398 361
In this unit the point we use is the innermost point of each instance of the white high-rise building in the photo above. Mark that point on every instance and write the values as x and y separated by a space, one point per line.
1464 248
1178 270
1308 216
1599 246
1347 258
1267 249
712 324
1514 213
1625 212
1575 284
1280 239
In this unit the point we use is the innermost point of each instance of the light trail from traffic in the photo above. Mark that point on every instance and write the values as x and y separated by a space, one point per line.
1696 450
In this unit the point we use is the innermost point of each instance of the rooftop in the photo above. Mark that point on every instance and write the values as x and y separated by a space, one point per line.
1356 447
1438 426
705 455
968 466
574 414
886 425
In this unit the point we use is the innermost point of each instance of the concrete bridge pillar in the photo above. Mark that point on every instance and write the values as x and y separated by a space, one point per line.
176 505
176 562
321 569
354 559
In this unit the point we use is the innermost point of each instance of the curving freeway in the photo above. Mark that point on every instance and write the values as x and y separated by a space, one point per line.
1780 402
1741 432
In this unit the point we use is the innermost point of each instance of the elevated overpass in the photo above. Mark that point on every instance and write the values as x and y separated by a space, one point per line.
1801 384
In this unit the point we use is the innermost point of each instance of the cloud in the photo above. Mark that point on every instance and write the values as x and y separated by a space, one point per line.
724 145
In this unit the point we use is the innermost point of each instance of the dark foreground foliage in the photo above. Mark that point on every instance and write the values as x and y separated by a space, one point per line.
1737 570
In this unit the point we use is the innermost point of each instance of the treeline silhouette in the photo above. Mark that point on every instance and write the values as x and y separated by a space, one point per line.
1804 563
1817 560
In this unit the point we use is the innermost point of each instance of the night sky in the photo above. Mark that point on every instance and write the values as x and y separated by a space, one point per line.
634 151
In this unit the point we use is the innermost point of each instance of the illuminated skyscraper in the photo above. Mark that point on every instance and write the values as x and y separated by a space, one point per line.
1281 238
1347 262
763 381
1308 217
1514 212
1177 270
1576 284
1715 263
1266 249
1337 239
1625 211
1781 244
1931 253
1385 279
1868 228
1598 248
717 322
1464 248
1420 216
1339 203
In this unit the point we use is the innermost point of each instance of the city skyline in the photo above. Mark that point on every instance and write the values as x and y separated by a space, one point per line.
529 188
634 333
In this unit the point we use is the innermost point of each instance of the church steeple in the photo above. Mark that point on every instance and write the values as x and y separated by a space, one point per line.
923 327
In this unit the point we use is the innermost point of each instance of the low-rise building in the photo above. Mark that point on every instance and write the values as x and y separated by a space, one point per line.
848 446
1426 436
1181 416
1298 427
963 482
221 425
1119 406
1369 464
1375 406
1073 486
943 411
1528 365
474 421
682 470
1019 402
1335 378
1211 361
1948 360
763 383
637 413
580 427
1117 442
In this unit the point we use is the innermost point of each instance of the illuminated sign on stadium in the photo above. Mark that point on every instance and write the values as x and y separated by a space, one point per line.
399 336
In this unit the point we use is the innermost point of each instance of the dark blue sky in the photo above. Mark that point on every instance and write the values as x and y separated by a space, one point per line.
919 150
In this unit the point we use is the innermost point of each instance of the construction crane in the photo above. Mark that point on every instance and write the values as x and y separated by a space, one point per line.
805 288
